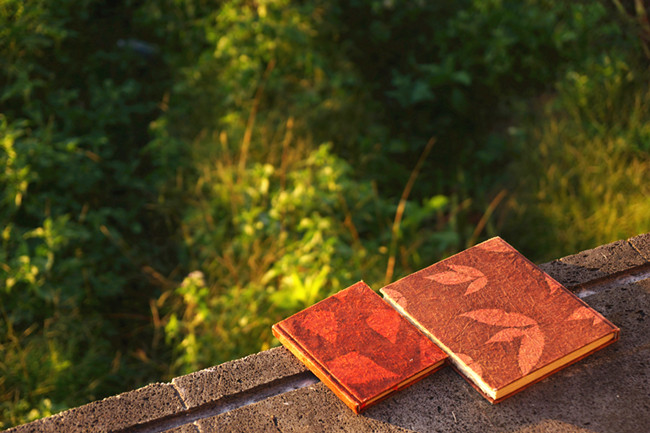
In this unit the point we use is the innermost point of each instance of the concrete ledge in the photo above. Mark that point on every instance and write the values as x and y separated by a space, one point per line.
185 428
641 243
271 367
115 413
272 391
310 409
592 266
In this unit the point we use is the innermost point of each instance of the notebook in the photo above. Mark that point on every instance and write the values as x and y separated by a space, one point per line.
359 346
502 321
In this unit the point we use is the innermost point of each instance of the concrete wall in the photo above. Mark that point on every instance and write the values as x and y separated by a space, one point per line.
272 391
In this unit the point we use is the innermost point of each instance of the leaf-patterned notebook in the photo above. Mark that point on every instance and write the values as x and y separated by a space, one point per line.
359 346
503 321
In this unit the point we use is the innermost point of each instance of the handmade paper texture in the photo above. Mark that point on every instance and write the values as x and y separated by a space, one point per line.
497 312
361 342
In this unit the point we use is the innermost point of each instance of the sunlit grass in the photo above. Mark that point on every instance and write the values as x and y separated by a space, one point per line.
584 175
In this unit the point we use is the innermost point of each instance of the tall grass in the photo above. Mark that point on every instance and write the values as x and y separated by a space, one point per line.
270 230
583 177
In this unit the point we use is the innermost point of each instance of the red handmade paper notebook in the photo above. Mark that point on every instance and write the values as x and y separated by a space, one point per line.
503 321
359 346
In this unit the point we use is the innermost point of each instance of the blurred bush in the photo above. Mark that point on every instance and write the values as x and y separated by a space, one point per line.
274 220
77 212
180 174
584 167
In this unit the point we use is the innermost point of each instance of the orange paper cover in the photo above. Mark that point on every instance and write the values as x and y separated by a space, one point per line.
360 346
497 312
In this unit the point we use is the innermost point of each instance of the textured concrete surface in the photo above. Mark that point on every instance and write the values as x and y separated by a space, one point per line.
185 428
641 243
115 413
311 409
272 391
209 385
596 264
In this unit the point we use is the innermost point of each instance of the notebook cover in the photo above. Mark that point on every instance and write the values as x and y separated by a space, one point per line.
497 312
359 346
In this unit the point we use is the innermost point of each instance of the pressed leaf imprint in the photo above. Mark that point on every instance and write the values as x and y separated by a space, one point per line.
385 325
531 348
396 296
552 284
495 246
355 368
427 349
506 335
518 325
497 317
322 323
461 274
583 313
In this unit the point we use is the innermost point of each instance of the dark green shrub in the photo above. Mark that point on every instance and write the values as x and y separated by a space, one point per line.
78 216
584 165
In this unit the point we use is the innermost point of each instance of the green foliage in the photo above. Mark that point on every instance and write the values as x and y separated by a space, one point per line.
74 216
457 71
299 228
287 246
584 165
265 60
275 221
177 175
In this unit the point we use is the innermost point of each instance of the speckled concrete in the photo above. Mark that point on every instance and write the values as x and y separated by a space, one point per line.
212 384
596 264
186 428
115 413
641 243
272 391
310 409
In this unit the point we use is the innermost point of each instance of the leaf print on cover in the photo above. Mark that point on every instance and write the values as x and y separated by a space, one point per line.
461 274
504 323
359 346
532 338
